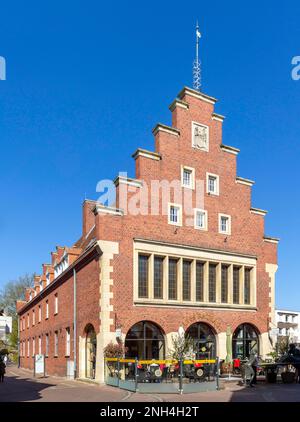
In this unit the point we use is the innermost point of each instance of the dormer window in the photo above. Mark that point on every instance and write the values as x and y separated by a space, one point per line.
47 279
41 285
62 266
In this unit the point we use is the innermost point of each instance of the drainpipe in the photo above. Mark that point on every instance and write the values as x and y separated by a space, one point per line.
19 363
75 324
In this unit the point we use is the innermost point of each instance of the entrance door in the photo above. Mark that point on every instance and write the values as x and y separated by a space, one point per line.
90 352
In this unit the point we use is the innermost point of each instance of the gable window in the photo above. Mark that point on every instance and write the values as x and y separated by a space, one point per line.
200 219
188 177
175 214
212 184
224 224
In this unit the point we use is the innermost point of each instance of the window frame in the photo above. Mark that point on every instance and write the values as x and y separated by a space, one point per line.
228 217
68 342
198 210
191 170
56 344
178 223
217 177
55 304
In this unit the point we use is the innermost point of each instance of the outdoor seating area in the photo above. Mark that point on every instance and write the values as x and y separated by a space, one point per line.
168 376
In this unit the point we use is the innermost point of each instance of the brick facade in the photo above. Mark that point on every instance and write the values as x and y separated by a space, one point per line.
104 257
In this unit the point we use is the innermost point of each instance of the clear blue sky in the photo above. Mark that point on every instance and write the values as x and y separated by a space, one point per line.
87 81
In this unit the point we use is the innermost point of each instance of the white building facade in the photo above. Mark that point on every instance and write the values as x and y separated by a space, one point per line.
5 327
288 324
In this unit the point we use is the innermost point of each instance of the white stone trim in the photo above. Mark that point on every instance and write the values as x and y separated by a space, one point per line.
230 150
127 181
166 129
101 209
147 154
197 94
271 269
258 211
194 252
109 249
271 240
243 181
178 103
218 117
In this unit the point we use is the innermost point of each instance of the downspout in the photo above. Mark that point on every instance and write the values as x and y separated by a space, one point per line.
75 324
19 363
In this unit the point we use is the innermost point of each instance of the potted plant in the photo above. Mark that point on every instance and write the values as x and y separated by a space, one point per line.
226 368
114 351
288 375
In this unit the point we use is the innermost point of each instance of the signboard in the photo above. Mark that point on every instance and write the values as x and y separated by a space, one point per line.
39 364
274 331
118 333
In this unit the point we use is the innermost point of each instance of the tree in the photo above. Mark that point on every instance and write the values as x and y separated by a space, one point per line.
13 291
183 347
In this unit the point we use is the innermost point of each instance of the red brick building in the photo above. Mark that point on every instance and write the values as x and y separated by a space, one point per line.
146 267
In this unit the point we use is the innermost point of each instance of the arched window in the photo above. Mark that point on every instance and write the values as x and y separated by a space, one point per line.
205 340
145 340
244 341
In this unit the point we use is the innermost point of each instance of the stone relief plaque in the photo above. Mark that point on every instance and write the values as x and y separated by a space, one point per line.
200 136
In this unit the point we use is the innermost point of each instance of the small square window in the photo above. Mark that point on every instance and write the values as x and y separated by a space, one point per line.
224 224
200 219
188 177
212 184
175 214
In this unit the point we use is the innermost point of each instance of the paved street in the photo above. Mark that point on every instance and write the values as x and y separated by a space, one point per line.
20 386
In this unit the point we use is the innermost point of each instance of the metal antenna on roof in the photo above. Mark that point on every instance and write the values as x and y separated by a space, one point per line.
196 64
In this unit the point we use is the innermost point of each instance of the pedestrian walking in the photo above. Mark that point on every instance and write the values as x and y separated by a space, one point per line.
2 370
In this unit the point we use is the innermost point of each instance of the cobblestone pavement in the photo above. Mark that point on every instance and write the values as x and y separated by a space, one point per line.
21 386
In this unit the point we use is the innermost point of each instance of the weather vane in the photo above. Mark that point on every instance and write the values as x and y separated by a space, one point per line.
196 65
